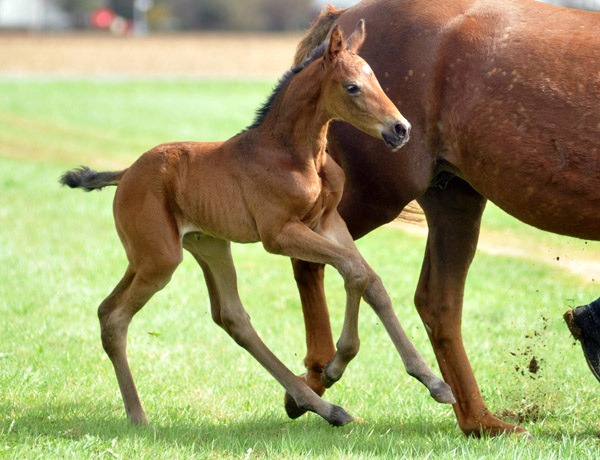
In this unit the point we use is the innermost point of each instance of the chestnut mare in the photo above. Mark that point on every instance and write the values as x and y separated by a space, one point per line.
504 99
272 183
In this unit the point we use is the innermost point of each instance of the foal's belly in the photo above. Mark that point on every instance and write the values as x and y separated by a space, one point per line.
226 220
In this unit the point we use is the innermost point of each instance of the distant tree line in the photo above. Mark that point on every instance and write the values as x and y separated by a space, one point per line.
205 14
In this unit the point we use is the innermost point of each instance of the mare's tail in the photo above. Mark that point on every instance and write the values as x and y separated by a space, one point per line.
88 179
412 214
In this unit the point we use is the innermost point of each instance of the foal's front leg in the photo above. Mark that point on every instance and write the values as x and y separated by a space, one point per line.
298 241
334 245
377 297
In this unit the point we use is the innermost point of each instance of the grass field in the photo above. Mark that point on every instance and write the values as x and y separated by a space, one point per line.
205 397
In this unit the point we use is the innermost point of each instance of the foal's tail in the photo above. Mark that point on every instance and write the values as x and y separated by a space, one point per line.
88 179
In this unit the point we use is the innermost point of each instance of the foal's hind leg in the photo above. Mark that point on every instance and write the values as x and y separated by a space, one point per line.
115 314
154 255
214 257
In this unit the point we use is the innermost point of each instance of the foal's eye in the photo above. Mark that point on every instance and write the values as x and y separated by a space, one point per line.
352 89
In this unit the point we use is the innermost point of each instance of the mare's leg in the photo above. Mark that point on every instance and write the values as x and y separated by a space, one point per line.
214 257
320 348
454 217
147 273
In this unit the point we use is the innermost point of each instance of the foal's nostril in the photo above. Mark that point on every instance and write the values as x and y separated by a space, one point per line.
400 130
396 133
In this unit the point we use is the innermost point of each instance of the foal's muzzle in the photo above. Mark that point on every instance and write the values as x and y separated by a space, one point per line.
396 134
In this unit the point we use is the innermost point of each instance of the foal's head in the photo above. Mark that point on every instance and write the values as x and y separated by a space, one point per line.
352 93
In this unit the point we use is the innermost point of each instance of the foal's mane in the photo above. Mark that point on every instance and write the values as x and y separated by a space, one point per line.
262 112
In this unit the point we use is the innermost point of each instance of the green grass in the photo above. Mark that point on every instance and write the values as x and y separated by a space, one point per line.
206 397
73 121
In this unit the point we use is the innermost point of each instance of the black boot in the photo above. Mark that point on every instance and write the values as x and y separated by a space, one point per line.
584 324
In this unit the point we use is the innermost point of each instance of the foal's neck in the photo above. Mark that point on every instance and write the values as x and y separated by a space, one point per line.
297 120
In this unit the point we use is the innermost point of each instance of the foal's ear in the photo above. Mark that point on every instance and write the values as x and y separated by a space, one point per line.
336 44
357 38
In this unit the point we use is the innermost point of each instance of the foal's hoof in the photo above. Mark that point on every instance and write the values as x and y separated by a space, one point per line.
291 408
442 393
327 380
339 417
313 380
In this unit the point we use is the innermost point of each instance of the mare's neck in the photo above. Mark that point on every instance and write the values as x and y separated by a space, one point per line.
297 120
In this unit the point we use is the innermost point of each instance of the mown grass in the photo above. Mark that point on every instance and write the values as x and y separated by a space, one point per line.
205 397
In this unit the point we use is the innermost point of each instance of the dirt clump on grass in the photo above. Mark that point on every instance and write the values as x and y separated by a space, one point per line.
529 364
531 367
522 414
530 400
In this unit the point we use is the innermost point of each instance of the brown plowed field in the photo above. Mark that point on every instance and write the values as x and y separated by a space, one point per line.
177 55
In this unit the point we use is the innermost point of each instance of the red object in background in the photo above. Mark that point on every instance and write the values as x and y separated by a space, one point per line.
102 18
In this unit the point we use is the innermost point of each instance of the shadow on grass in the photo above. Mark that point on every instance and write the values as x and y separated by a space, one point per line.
271 435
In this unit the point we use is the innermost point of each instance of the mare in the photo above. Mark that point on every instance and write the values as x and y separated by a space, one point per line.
273 183
504 101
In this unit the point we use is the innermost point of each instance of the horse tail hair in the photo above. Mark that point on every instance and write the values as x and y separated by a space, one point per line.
317 33
412 214
88 179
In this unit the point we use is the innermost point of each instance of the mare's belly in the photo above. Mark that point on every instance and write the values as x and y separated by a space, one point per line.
564 202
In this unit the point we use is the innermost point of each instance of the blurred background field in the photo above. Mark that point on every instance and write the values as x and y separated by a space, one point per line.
143 16
191 55
158 38
92 97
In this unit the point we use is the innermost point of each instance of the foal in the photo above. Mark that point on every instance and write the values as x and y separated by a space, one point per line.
273 183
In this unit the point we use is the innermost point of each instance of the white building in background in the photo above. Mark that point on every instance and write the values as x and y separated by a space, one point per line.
32 14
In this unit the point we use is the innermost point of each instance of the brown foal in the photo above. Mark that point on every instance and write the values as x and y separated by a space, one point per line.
273 183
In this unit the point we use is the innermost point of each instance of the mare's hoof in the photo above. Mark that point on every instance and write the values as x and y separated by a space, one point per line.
327 380
339 417
291 408
442 393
